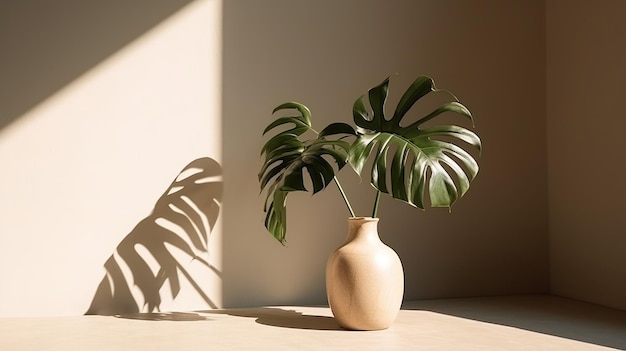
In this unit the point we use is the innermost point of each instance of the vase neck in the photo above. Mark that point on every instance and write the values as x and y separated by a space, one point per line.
363 228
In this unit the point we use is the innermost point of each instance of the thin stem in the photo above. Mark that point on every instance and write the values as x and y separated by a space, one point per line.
343 194
345 198
375 211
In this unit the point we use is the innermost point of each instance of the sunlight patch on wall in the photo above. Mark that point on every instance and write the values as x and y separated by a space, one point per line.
84 169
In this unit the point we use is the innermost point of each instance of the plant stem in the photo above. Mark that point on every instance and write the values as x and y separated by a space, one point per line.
345 198
375 211
343 194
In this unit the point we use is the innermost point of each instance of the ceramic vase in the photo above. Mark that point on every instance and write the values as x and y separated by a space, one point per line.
364 279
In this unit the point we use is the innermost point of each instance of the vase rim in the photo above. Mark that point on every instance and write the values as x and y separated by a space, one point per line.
362 218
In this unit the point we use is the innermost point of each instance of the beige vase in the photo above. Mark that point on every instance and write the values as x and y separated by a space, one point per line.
364 279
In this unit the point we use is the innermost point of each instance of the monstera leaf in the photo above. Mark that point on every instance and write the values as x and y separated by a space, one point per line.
408 159
286 156
421 155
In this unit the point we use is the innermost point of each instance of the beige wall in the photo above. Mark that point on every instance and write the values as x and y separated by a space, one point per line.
326 54
103 105
97 123
586 79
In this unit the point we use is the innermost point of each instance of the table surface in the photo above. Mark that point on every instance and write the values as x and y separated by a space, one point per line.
529 322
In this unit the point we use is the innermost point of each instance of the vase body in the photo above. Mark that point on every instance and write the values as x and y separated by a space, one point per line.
364 279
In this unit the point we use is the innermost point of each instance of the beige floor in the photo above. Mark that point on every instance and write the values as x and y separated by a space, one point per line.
496 323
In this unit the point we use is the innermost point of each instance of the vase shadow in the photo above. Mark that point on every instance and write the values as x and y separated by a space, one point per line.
179 226
284 318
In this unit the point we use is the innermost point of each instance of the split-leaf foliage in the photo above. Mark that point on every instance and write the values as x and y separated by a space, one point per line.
408 160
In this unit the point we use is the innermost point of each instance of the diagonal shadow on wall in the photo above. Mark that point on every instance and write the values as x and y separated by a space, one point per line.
44 45
149 256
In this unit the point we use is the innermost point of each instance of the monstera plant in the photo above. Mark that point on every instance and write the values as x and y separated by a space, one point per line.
365 277
408 160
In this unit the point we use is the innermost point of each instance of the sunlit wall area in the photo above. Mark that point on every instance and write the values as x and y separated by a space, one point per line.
111 185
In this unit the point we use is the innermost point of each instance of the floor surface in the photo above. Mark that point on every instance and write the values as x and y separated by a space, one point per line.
535 322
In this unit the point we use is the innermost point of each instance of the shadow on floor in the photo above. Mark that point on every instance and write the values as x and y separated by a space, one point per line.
271 316
544 314
279 317
165 316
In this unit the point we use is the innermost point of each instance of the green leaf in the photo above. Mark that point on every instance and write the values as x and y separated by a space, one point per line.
285 156
420 87
433 157
337 128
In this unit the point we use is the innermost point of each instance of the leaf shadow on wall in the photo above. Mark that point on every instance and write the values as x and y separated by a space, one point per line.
149 256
